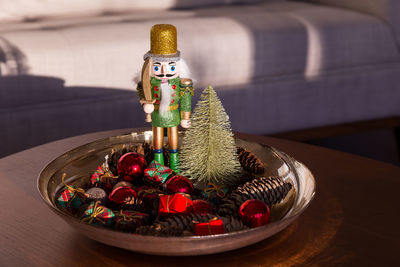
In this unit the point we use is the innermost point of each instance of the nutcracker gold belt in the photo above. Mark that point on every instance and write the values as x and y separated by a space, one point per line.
173 107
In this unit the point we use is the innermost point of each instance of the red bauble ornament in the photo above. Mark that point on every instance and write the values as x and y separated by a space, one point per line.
179 184
254 213
202 207
131 166
122 195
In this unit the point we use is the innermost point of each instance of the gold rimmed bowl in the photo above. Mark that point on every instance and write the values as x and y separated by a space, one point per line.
80 163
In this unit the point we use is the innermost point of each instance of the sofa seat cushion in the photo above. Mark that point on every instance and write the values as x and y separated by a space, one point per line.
387 10
25 90
35 110
223 45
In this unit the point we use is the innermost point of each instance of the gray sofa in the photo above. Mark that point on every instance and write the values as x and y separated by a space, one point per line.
277 66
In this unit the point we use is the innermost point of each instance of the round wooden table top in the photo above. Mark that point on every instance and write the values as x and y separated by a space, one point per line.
353 220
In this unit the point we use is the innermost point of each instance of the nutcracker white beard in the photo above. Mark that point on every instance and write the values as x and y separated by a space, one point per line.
166 92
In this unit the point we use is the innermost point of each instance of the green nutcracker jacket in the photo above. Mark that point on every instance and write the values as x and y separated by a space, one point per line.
181 101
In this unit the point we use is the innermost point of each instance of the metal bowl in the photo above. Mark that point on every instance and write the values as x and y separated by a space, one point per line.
80 163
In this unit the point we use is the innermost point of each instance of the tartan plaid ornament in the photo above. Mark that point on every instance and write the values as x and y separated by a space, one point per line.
156 173
212 227
97 214
71 198
103 177
95 179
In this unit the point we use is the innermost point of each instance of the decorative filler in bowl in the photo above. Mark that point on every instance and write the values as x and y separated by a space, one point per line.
216 194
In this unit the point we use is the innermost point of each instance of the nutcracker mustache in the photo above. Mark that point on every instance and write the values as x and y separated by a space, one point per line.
166 75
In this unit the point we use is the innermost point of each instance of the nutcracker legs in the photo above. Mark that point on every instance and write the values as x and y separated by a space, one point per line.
173 148
173 138
158 136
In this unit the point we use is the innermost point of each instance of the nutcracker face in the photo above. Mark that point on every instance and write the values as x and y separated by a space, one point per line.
164 69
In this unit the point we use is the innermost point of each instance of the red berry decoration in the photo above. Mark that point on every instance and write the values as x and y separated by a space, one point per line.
179 184
131 166
254 213
122 195
202 207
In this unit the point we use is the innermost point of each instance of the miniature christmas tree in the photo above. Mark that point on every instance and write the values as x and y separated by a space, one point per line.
209 153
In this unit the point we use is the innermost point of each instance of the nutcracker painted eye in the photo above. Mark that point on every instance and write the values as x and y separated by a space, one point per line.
172 66
156 67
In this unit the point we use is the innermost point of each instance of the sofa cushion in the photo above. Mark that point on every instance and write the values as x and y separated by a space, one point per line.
222 45
387 10
36 110
44 9
293 102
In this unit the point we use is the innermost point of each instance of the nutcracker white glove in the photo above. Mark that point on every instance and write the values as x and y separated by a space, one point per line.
185 123
148 108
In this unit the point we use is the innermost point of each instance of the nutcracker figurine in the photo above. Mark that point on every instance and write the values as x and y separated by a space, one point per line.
165 95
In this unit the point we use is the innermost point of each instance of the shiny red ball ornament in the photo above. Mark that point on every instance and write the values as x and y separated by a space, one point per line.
131 166
179 184
254 213
122 195
202 207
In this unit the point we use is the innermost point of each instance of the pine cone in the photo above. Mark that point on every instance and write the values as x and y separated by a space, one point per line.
231 224
249 161
270 190
177 225
185 222
159 229
230 206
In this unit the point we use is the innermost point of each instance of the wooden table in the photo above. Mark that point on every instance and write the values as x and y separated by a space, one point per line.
353 221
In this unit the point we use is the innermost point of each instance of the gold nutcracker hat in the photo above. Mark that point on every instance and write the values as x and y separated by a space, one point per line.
163 43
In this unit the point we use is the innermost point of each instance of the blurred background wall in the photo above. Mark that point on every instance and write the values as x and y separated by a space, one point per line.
281 67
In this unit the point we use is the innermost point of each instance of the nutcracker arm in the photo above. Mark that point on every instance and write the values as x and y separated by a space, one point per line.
186 93
185 115
144 102
186 88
